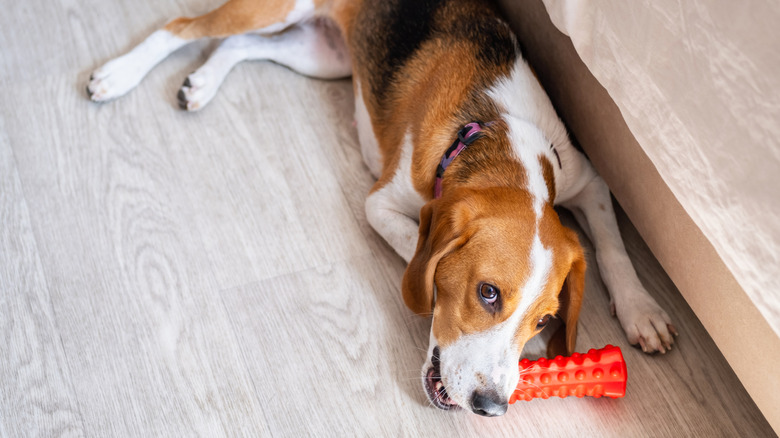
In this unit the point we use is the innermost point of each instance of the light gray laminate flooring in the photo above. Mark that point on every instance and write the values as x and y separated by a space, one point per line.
213 274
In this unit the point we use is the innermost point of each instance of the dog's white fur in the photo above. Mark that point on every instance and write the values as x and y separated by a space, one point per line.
122 74
394 209
313 49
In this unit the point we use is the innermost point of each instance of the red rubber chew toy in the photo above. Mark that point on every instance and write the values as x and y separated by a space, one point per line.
595 373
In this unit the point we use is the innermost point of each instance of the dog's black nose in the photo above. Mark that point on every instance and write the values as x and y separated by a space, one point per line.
488 404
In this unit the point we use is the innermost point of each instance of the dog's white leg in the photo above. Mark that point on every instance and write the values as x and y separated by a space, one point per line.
394 208
397 228
643 320
314 48
122 74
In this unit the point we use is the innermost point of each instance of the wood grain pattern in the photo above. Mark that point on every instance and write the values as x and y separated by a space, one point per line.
213 274
36 392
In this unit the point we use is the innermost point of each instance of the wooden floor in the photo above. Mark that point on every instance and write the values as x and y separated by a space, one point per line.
213 274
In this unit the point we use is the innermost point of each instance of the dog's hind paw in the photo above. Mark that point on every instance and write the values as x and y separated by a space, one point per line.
113 80
196 91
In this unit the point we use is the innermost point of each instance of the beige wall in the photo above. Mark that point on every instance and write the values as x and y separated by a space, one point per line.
743 334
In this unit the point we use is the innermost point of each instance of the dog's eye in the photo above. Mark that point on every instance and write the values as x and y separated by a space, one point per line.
543 321
488 293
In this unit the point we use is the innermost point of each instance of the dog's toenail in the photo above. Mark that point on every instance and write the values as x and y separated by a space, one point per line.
182 99
187 82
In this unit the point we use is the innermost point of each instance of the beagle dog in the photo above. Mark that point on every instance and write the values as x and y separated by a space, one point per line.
470 158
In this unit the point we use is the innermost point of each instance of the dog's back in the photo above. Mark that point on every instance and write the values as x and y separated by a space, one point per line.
406 39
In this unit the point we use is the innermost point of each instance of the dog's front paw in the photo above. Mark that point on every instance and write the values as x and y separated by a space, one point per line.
645 323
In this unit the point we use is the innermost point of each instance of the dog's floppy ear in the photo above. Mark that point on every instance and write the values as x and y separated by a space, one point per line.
441 225
564 339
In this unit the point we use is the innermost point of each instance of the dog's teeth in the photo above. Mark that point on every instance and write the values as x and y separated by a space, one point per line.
439 386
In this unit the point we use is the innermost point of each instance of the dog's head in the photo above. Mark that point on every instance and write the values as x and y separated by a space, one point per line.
493 272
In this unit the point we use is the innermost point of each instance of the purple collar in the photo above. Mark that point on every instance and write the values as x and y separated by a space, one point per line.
467 135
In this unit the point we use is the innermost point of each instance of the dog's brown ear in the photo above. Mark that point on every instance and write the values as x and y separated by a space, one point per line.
440 234
564 340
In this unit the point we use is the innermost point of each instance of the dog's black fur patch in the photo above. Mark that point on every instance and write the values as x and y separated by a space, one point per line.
394 30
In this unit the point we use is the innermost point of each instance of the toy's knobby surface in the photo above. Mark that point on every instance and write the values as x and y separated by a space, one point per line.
595 373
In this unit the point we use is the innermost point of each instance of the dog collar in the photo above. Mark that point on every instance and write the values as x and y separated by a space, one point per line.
467 135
